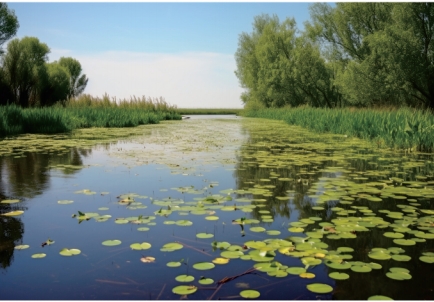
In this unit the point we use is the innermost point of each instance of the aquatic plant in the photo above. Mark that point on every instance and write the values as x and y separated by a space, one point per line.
403 128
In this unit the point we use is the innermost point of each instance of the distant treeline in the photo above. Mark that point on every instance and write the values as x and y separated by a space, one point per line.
349 54
198 111
26 77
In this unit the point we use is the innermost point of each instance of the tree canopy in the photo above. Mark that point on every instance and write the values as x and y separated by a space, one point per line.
358 54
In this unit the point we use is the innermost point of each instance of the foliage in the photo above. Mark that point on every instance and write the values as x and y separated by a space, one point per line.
350 54
77 82
402 128
8 24
84 112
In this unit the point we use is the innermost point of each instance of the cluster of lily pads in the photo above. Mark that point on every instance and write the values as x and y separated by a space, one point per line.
338 201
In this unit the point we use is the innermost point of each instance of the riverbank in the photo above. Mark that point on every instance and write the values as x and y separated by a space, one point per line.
403 128
84 112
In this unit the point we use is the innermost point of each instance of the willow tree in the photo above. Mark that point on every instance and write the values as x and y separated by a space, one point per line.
277 66
77 80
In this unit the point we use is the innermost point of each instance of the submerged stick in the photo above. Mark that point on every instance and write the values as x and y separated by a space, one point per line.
212 296
111 282
161 291
227 279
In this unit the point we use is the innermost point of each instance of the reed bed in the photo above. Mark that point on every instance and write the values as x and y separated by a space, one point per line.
206 111
403 128
84 112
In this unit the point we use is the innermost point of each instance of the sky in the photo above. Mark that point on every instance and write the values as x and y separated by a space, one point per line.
183 52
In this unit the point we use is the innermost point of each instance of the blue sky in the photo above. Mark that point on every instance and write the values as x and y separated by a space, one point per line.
183 52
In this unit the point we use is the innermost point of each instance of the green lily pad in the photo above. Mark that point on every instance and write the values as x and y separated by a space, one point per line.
273 232
393 235
22 247
65 201
257 229
203 266
231 254
170 247
184 278
379 297
295 270
250 294
206 281
184 222
319 288
361 268
338 264
398 275
401 257
141 246
339 276
174 264
111 242
10 201
39 255
143 229
380 255
204 235
406 242
13 213
427 259
69 252
184 290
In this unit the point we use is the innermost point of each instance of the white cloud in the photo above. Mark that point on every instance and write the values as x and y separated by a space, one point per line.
188 80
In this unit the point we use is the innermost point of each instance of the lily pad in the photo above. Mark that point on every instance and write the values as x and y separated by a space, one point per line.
184 278
69 252
204 235
220 261
406 242
141 246
170 247
22 247
13 213
249 294
111 242
339 276
203 266
174 264
379 297
39 255
184 290
319 288
206 281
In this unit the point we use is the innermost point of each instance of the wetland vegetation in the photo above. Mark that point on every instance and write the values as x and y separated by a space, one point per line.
214 208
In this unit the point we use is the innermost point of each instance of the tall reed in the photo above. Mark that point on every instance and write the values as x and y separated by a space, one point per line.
83 112
402 128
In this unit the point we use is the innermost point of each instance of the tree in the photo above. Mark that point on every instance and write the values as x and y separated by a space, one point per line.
77 82
56 87
24 69
277 68
8 24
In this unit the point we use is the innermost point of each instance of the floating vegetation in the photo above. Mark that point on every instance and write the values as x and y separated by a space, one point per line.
250 294
111 242
303 204
69 252
39 255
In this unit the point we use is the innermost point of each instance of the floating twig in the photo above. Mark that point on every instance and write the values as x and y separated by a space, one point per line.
161 291
227 279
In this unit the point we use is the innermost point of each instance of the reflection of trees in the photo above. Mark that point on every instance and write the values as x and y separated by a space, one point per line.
11 232
26 177
29 176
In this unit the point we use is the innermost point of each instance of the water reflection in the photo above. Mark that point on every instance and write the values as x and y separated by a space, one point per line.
23 178
273 162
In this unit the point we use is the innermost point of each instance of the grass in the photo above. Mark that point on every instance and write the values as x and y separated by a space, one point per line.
196 111
402 128
84 112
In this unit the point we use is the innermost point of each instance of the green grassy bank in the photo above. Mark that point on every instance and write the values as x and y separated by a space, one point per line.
403 128
84 112
197 111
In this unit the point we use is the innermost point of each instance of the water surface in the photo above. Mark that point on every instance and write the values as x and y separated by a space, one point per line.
329 191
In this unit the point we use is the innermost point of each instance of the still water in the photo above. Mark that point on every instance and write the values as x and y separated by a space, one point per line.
300 208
